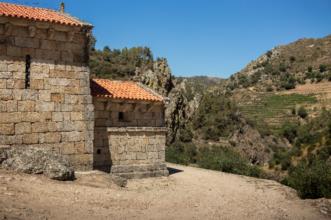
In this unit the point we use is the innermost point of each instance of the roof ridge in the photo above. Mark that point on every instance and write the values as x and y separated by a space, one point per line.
115 80
40 14
28 6
149 90
71 17
119 89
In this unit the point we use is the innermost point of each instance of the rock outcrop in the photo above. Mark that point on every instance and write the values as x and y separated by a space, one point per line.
159 78
179 109
249 142
33 160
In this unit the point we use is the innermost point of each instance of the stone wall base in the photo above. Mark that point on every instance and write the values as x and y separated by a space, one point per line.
140 171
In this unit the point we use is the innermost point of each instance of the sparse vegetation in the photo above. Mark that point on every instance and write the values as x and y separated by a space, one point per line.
292 65
213 157
216 117
226 160
181 153
289 131
311 179
322 68
312 174
120 64
302 112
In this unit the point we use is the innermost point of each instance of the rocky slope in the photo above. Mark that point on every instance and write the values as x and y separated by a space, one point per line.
283 67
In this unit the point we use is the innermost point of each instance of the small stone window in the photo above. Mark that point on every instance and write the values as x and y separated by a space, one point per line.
27 71
121 116
99 151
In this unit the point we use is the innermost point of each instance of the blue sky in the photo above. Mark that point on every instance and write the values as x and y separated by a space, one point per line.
200 37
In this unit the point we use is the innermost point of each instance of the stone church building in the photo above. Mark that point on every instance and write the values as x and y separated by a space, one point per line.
48 100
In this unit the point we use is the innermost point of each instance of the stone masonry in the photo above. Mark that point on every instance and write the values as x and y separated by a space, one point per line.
131 145
46 101
52 106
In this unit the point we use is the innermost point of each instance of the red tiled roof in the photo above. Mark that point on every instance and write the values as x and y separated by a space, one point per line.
38 14
122 90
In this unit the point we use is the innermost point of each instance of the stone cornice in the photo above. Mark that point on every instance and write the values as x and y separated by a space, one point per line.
137 129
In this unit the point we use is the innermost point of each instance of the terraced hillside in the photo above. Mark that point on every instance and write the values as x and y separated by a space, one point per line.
322 91
272 109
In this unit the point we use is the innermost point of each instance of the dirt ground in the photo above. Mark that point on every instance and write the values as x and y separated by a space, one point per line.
192 193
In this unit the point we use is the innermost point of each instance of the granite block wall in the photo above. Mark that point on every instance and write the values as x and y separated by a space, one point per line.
47 103
129 137
138 152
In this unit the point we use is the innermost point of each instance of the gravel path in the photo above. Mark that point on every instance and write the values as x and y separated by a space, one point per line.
191 194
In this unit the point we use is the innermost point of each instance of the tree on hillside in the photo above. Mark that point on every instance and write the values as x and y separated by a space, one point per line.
115 63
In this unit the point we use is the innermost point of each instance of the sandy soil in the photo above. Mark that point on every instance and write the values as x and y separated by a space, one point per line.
191 194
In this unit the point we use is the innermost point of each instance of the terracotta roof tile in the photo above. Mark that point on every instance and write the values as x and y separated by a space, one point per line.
122 90
38 14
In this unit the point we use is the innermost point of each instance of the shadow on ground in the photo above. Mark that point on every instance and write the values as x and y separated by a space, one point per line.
173 170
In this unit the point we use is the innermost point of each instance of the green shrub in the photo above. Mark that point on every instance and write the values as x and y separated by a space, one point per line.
329 76
292 59
304 136
255 77
322 68
243 80
216 117
319 77
186 135
302 112
286 163
288 81
310 69
289 131
226 160
181 153
311 180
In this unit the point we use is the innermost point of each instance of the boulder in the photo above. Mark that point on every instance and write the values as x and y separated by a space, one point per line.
33 160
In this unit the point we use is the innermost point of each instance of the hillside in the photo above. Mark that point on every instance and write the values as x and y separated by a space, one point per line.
284 67
270 120
192 193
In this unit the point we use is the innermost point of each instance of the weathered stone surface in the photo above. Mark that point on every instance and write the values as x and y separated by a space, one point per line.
23 128
52 137
135 151
26 106
7 129
58 99
31 138
37 161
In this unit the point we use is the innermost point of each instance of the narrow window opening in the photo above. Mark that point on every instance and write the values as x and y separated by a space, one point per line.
121 116
99 151
27 71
